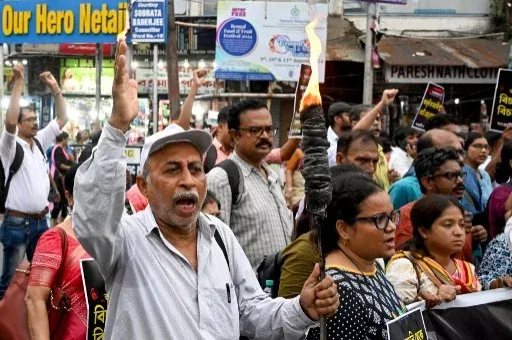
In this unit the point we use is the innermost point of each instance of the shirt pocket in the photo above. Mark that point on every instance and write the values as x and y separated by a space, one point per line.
225 310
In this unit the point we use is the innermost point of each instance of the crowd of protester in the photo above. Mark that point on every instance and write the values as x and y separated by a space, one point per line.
180 250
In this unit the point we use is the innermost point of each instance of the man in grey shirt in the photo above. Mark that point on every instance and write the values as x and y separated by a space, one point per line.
260 219
166 272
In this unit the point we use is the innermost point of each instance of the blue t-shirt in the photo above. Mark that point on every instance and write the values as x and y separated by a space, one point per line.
405 191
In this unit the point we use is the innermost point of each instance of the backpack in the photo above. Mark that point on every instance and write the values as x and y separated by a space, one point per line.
235 179
15 166
270 269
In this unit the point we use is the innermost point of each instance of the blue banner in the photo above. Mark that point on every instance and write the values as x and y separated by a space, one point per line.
62 21
148 21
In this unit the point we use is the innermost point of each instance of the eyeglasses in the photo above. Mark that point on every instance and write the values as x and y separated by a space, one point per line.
461 153
31 120
381 221
452 175
257 131
480 147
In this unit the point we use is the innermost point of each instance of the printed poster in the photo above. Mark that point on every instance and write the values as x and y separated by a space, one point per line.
261 40
431 105
409 326
501 114
302 85
96 299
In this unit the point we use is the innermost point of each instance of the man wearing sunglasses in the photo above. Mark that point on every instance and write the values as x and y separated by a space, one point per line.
26 198
260 219
438 171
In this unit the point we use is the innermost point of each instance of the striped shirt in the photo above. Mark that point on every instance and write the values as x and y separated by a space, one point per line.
261 221
154 293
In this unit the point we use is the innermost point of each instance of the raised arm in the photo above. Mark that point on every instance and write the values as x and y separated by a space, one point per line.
99 192
387 99
186 109
61 114
288 149
13 110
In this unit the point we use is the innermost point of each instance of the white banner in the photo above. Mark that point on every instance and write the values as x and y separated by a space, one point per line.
263 40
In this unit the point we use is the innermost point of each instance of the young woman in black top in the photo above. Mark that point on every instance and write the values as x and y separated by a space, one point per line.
360 228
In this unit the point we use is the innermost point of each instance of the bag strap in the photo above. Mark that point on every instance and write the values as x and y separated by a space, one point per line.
39 146
64 248
235 179
222 246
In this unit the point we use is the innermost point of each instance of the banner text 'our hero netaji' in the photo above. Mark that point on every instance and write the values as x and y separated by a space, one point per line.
96 21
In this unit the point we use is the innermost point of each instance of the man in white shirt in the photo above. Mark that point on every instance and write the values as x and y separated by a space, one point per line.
339 122
26 203
404 149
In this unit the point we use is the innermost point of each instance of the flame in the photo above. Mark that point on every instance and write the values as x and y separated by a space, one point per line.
312 95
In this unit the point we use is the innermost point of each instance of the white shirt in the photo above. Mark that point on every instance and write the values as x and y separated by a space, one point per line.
30 186
400 161
332 137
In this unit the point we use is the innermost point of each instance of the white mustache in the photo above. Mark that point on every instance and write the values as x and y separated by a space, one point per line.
189 195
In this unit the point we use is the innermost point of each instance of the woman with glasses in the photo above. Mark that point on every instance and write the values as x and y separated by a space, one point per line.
478 182
359 228
427 269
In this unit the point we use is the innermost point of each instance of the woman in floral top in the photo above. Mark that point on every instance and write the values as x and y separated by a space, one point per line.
496 268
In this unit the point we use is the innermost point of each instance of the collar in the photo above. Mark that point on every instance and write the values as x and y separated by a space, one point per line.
206 226
247 168
331 135
23 142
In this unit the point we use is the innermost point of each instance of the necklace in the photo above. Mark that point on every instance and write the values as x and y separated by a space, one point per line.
400 311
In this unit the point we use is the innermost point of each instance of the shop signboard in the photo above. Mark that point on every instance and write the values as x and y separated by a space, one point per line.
421 74
63 21
262 40
501 114
148 21
84 49
144 77
81 79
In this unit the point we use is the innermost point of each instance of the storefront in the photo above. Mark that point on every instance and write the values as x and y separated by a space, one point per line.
466 68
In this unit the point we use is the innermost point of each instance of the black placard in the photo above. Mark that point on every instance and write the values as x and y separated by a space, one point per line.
302 84
431 105
409 326
96 299
501 114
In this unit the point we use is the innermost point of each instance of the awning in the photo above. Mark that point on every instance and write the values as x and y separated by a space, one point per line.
472 53
342 41
442 61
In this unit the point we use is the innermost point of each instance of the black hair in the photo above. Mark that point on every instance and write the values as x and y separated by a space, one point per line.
472 136
23 109
423 215
503 169
385 142
95 137
336 109
69 179
63 135
223 115
439 121
236 110
349 192
356 111
401 134
428 162
493 138
210 198
348 138
306 222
